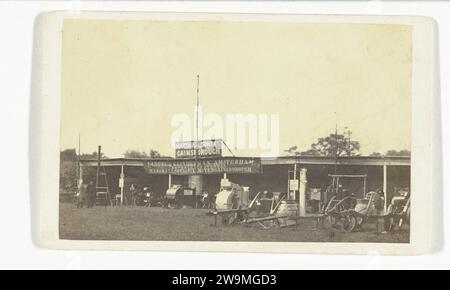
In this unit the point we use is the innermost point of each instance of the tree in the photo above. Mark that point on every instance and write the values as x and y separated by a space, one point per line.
68 169
392 153
292 151
68 155
130 153
335 145
93 155
332 145
311 152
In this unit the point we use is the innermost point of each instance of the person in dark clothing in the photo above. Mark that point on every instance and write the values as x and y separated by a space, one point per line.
91 194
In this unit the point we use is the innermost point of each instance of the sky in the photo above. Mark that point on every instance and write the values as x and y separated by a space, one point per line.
124 81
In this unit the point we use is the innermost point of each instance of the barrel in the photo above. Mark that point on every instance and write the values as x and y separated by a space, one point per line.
196 181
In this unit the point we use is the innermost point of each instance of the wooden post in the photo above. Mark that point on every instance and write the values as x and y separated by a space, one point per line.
80 178
295 178
288 182
80 173
99 154
364 187
385 186
122 183
302 192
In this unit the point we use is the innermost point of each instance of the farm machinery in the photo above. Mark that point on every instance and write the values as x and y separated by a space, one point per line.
400 209
148 198
349 213
233 205
177 196
345 210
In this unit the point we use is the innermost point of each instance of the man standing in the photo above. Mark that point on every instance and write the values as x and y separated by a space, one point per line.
133 194
205 200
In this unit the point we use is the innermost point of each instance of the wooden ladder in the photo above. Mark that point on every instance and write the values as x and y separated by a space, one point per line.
102 188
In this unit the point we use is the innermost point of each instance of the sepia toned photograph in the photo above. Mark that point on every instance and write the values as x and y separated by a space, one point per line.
235 131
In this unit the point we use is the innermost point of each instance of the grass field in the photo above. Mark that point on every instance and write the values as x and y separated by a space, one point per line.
138 223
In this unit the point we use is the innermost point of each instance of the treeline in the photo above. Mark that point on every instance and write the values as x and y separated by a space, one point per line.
339 145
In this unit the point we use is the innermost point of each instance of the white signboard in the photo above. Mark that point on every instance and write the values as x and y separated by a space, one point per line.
121 182
203 148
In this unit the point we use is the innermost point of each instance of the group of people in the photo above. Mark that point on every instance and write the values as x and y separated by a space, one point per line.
86 195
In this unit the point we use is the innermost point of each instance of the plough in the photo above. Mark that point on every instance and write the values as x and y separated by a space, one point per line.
241 216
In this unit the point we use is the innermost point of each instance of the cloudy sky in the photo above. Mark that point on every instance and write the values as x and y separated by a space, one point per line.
123 81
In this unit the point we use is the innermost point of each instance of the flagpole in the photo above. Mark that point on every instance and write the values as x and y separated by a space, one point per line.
196 125
80 173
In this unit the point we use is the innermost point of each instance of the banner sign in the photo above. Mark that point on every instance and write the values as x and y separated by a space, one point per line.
232 165
204 148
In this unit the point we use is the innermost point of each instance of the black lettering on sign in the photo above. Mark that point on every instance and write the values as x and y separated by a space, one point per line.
205 166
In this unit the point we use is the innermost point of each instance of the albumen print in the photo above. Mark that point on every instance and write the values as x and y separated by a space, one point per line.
232 129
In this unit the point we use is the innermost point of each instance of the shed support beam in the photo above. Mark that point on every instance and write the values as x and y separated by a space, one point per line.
302 193
122 184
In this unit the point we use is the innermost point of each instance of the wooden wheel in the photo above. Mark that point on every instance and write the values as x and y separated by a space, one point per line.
227 219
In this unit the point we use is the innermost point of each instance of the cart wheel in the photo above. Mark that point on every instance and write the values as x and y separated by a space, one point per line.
359 223
241 216
349 223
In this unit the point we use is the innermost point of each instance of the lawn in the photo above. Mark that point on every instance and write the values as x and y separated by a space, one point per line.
141 224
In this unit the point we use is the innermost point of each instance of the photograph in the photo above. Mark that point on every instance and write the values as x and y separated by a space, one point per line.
224 143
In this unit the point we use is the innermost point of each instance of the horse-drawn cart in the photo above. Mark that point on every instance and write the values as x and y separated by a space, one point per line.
351 213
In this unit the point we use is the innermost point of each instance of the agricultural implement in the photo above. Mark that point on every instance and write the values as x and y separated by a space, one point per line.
349 213
265 210
231 204
178 196
243 216
399 210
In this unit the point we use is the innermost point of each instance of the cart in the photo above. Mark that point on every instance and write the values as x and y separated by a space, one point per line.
399 210
350 213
